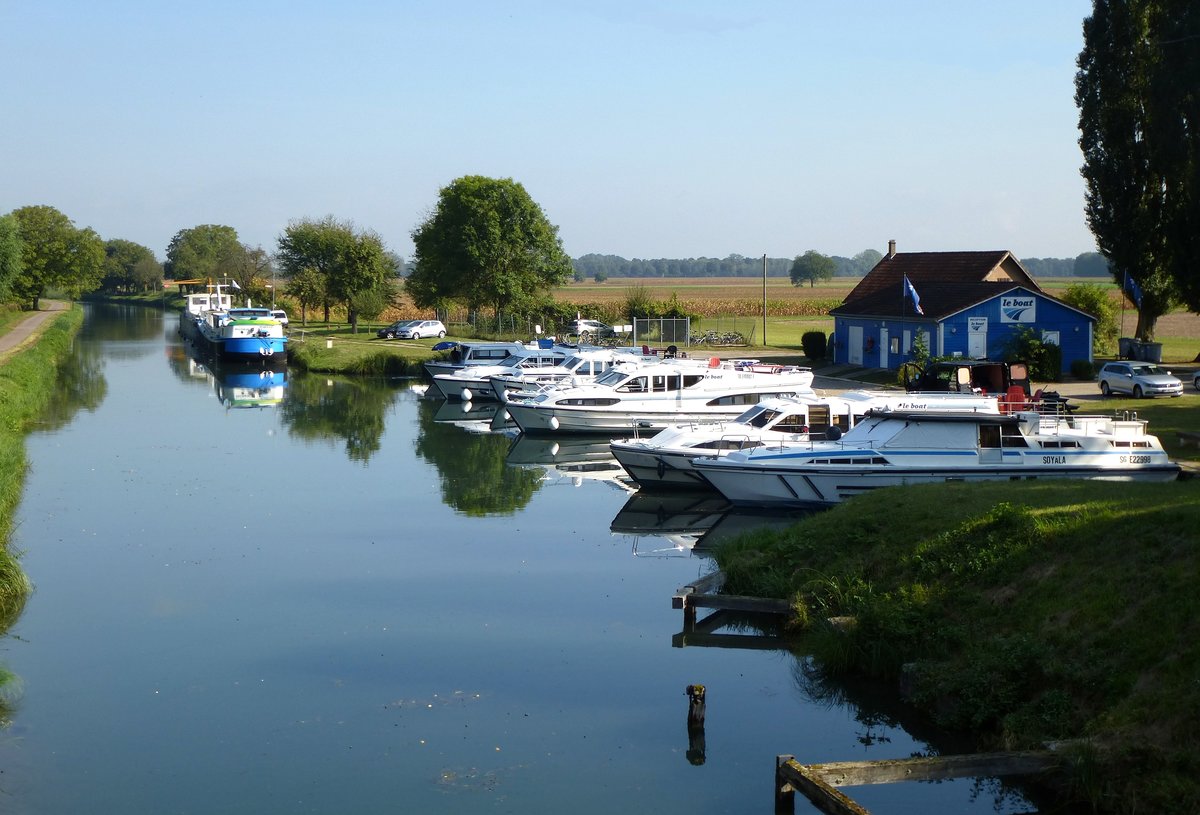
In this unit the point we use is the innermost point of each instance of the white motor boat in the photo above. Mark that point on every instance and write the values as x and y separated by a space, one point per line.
658 395
471 382
474 353
664 461
890 448
584 365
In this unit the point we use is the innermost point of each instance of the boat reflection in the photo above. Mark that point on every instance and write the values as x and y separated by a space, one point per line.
668 525
239 388
690 522
474 417
570 460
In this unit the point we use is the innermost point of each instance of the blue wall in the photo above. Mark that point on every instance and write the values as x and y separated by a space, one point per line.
950 335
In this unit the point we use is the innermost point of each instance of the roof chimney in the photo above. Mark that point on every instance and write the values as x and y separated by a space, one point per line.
891 249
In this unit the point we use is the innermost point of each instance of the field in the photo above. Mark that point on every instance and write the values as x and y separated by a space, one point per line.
736 304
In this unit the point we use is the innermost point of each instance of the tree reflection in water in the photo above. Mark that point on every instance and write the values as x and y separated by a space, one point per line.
80 386
320 407
475 478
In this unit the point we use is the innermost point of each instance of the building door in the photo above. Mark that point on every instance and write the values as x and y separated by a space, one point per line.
883 347
977 337
855 351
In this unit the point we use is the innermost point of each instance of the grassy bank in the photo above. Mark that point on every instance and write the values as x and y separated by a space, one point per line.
26 382
1019 612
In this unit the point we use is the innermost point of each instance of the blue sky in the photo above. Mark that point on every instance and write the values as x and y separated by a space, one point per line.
643 129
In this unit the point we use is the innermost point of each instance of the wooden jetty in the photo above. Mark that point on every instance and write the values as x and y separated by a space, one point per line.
706 593
819 782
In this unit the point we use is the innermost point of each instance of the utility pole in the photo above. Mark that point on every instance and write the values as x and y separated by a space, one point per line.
764 339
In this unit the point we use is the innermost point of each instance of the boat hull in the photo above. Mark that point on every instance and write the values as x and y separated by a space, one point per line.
535 419
763 486
660 469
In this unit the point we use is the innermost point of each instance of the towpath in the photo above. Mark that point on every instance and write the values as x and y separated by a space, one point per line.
28 327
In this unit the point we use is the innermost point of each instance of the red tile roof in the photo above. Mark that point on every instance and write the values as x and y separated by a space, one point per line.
945 282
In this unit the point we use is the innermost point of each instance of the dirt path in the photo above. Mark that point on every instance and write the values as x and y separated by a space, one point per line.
22 332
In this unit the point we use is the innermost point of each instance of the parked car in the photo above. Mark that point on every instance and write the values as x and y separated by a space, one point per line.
590 328
390 332
1138 379
280 315
1196 380
422 328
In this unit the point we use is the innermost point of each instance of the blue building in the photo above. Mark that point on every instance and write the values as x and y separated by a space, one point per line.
965 304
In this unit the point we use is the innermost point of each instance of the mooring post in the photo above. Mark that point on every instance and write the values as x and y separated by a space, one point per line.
785 793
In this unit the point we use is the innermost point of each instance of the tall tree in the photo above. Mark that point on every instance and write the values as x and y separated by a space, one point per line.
348 262
1138 121
56 254
486 243
10 253
1174 110
307 287
248 266
129 267
811 266
195 253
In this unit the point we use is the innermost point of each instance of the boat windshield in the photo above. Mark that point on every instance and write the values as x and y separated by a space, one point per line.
611 377
748 416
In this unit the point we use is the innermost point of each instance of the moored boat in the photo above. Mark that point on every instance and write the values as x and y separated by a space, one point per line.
896 447
247 334
657 395
664 461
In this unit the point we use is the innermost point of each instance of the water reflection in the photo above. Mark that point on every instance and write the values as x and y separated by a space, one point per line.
569 460
334 409
235 386
668 524
122 328
474 477
81 386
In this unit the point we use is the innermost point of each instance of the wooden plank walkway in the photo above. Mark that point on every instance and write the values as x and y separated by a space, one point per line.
706 593
819 782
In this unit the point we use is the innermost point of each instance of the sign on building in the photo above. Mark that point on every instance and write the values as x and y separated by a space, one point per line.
1018 309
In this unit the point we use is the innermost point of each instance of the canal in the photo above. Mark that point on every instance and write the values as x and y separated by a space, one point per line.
327 595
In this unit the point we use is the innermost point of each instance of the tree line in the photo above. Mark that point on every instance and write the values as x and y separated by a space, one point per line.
601 267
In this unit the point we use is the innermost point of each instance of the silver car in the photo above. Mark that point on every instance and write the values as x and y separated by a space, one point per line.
422 328
1138 379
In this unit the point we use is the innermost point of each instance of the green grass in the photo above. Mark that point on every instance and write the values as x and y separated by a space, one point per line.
26 382
1019 612
335 349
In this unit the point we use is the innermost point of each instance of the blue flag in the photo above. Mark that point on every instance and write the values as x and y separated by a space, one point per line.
1135 291
909 291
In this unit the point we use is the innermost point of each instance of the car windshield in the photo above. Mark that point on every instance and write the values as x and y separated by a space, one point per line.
1147 370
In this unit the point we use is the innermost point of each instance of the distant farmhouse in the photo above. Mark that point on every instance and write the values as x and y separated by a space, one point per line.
966 304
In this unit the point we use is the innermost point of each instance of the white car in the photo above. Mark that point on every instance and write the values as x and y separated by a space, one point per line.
422 328
1138 379
280 315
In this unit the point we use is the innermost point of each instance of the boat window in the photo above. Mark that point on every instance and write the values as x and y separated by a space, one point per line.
764 418
692 379
636 384
728 444
742 399
989 435
589 402
659 383
794 423
748 416
611 377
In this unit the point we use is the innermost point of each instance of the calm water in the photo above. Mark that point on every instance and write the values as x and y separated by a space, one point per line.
343 602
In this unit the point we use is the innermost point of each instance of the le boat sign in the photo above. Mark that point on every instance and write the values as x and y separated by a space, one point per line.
1018 309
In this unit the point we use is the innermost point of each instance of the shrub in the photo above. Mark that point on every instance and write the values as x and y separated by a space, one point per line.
813 343
1083 369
